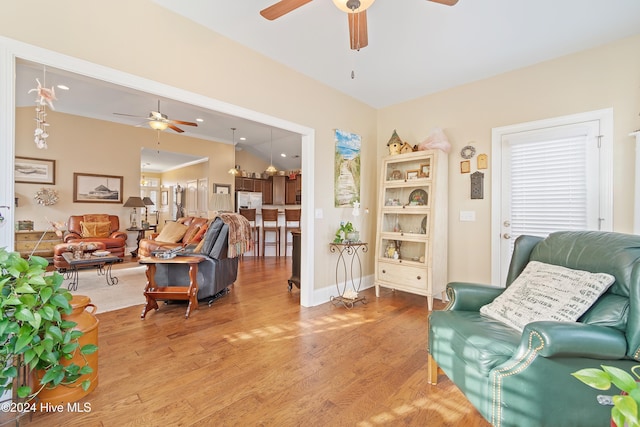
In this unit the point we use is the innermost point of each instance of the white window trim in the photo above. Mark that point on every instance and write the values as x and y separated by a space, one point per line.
605 116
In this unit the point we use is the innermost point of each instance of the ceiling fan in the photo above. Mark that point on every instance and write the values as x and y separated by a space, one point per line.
158 121
356 13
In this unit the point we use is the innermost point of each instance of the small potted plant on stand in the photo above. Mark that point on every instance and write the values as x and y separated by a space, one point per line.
34 334
346 233
625 405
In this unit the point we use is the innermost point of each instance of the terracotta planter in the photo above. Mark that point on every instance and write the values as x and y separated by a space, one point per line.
83 314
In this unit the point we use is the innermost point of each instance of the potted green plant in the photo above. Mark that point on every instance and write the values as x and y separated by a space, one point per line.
346 232
625 405
33 332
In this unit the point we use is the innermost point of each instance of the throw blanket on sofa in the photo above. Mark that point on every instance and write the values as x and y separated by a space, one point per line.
240 237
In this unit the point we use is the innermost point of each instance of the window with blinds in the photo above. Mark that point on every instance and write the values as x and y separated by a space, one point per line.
554 183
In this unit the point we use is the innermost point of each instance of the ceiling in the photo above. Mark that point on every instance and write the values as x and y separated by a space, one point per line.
416 47
88 97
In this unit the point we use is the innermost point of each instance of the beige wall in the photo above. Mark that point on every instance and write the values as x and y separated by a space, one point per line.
250 163
195 59
605 77
79 144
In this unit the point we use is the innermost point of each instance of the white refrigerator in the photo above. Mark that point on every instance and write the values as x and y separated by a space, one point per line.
248 200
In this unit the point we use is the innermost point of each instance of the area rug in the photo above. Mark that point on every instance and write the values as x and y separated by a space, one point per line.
127 292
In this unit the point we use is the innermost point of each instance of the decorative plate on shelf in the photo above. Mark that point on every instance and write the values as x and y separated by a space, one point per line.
101 253
423 225
418 197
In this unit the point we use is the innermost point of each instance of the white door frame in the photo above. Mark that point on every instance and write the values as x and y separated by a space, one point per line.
11 49
605 116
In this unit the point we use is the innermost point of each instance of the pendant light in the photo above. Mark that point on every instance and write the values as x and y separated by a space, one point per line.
271 169
234 171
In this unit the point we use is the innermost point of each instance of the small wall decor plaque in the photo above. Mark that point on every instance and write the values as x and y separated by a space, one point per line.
465 166
482 161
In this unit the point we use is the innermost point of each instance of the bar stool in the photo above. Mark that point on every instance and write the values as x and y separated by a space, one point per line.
291 222
250 215
270 216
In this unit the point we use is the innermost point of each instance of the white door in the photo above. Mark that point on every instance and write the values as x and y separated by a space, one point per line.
550 176
203 197
191 196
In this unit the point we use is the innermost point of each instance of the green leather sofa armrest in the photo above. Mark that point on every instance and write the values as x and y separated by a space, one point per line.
465 296
571 339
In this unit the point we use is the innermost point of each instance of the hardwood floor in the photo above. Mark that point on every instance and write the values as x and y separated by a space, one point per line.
256 358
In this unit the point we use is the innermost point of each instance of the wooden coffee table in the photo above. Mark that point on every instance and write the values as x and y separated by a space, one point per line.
102 263
153 292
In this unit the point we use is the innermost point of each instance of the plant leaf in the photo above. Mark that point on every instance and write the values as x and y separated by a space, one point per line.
627 407
621 379
88 349
24 391
594 378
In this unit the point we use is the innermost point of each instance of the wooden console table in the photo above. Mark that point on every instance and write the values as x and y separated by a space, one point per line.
154 292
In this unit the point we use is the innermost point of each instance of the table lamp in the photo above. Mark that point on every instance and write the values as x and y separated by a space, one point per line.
147 202
219 203
134 202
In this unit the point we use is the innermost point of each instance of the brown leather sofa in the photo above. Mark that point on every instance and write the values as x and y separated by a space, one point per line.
114 239
196 228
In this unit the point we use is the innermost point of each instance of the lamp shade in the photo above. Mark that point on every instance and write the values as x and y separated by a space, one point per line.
220 202
147 201
134 202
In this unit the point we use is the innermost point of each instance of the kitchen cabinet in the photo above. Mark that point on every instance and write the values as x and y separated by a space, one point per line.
293 191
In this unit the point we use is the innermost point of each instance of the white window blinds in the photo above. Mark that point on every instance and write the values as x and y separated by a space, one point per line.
554 184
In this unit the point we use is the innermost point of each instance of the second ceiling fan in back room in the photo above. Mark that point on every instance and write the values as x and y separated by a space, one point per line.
159 121
356 13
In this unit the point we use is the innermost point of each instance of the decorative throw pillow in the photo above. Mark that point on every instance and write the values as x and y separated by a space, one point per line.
96 218
547 292
172 232
199 235
95 229
192 230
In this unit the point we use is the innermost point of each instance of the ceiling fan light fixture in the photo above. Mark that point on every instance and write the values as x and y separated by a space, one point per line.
158 125
352 6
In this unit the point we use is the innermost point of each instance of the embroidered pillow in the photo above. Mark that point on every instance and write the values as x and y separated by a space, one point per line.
172 232
547 292
95 229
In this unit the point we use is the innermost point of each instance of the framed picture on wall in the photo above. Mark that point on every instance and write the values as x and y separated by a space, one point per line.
164 197
35 171
93 188
221 188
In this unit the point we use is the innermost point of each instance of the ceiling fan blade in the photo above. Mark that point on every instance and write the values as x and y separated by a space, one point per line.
180 122
281 8
445 2
177 129
358 36
130 115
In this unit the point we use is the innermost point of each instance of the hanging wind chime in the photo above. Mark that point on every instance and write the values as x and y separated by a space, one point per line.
45 96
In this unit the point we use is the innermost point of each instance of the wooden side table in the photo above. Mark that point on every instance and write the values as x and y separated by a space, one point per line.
141 233
153 292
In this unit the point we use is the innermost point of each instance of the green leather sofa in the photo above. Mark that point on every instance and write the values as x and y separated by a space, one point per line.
524 379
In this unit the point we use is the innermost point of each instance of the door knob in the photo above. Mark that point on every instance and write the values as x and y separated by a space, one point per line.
506 236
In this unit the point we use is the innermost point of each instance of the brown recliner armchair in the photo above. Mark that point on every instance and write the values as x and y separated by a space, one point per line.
93 228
